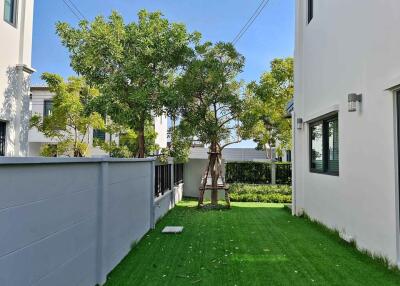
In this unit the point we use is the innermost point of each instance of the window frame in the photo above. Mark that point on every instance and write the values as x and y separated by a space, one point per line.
45 105
96 135
310 10
3 141
325 144
15 14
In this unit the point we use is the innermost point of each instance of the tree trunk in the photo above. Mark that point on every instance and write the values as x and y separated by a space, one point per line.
141 144
214 166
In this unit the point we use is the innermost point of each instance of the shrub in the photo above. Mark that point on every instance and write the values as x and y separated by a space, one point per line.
258 173
248 172
260 193
284 173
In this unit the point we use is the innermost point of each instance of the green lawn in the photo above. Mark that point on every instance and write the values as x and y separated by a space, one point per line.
252 244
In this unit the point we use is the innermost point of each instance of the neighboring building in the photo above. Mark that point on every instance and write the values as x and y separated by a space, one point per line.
16 20
230 154
161 127
41 103
346 163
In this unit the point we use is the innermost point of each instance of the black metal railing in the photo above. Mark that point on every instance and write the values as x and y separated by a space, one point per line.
162 179
178 174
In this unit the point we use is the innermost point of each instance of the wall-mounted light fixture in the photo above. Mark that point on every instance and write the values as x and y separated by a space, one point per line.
299 123
353 98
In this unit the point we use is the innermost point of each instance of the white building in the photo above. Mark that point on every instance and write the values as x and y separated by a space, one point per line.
346 163
41 103
16 20
230 154
161 127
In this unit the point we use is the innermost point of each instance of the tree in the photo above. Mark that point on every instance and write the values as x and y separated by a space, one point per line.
212 103
267 101
69 121
132 64
127 146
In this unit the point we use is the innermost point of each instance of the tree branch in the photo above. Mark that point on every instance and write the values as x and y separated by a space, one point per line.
230 143
227 120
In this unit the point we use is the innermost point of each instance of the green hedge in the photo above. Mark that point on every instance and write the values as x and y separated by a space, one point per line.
284 173
260 193
258 173
248 172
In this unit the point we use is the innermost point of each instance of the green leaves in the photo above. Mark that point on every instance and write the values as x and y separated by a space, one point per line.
266 106
69 121
132 64
210 94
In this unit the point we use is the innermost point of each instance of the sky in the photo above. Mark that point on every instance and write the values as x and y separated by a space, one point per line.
270 36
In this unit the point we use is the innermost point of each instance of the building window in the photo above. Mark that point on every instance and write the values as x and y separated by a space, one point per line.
288 155
324 146
310 10
47 108
99 134
2 138
10 11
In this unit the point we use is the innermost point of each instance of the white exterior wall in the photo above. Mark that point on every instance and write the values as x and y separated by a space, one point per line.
350 47
161 127
38 96
15 53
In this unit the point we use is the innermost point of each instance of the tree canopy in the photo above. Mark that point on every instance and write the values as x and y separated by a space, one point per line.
212 102
133 64
69 122
212 95
267 101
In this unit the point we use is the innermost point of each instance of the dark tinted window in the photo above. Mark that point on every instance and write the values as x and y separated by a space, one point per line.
2 138
324 146
333 146
98 134
10 14
48 106
316 147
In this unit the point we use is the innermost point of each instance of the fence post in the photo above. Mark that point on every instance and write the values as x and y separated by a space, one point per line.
273 173
171 161
102 191
152 188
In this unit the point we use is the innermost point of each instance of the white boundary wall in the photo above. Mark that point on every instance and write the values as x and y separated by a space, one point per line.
167 202
71 221
192 174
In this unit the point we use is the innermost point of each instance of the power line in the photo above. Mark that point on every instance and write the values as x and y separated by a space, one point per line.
72 10
77 9
250 21
256 13
72 7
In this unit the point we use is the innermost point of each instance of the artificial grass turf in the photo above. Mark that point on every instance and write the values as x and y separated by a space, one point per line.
251 244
